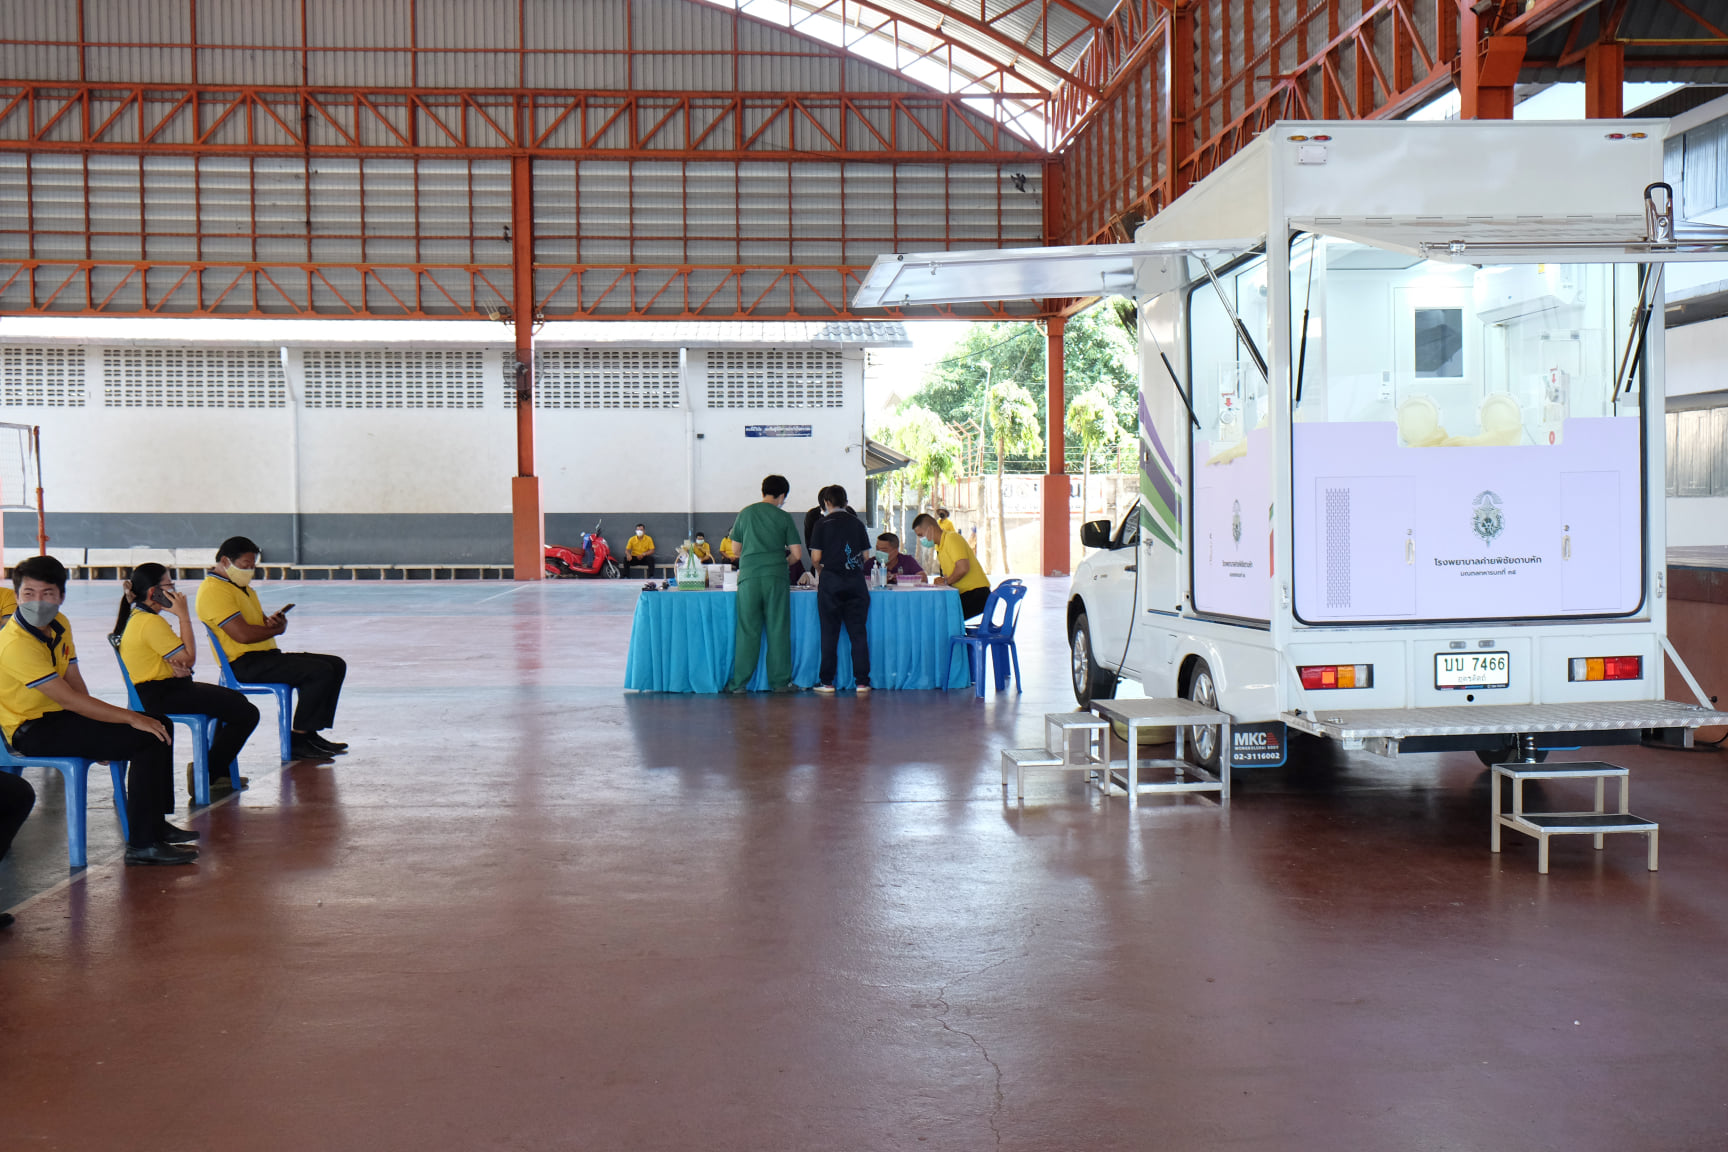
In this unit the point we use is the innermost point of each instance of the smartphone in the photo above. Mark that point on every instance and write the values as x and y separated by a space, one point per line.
284 610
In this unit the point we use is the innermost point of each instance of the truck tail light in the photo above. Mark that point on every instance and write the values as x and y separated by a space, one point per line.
1607 668
1337 675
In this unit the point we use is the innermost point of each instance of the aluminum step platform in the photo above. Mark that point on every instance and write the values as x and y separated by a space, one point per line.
1362 724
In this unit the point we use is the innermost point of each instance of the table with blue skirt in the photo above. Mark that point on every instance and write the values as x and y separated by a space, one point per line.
683 641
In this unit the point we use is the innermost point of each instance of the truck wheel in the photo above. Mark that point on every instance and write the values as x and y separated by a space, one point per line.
1201 747
1090 681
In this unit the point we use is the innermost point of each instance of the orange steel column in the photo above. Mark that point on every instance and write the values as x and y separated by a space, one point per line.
1056 515
527 520
1604 81
1487 71
1179 73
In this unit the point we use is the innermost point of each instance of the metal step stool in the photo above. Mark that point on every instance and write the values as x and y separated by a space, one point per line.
1018 760
1059 730
1542 825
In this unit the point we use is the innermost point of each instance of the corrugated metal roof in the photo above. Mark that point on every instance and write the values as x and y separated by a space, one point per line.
670 45
312 333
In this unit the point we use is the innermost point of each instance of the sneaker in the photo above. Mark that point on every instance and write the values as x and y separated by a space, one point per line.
824 689
862 690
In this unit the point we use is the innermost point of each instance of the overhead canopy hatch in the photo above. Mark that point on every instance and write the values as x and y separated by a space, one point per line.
1528 240
879 458
901 280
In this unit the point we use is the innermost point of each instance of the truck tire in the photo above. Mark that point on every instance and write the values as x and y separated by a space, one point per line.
1201 745
1091 682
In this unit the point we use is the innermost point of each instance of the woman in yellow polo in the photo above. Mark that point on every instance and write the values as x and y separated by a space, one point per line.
958 564
159 663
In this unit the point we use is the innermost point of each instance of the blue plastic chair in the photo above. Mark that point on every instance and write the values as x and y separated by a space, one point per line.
994 632
76 774
202 727
284 694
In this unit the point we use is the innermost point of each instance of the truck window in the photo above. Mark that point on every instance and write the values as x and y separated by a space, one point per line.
1231 551
1456 451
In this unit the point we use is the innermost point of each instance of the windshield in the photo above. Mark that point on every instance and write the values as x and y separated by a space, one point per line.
1458 453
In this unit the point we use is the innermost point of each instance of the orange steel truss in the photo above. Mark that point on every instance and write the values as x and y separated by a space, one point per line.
1184 86
261 121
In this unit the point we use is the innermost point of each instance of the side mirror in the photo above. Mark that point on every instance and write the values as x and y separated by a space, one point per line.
1095 534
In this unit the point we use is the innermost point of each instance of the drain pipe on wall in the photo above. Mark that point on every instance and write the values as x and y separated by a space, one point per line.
690 439
290 373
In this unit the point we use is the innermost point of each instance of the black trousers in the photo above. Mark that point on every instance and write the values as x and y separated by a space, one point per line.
843 603
646 563
16 800
972 602
235 715
317 676
150 762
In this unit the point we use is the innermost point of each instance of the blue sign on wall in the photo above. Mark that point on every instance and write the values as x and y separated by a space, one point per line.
777 430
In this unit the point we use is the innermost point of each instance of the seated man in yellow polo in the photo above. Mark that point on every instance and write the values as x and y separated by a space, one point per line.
229 606
46 710
958 564
639 550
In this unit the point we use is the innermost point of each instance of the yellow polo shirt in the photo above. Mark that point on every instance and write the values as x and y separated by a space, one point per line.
703 552
221 600
952 549
642 545
27 663
945 524
8 603
146 645
728 547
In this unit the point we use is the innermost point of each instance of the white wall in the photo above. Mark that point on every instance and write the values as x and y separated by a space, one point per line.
102 461
1698 357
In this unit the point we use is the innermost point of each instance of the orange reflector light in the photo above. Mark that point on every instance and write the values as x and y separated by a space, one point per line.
1337 675
1607 668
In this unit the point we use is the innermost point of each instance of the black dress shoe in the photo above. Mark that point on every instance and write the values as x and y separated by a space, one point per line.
334 747
300 749
160 853
5 919
172 835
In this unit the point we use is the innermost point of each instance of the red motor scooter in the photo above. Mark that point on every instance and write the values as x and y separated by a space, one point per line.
594 559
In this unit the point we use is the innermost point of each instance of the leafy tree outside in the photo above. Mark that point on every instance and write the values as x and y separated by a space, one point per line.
1014 426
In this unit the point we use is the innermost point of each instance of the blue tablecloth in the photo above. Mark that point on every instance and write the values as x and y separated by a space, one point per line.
682 641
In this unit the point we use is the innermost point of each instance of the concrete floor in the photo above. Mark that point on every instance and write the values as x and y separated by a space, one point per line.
530 912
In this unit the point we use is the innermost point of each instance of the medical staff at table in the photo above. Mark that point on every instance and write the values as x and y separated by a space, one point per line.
767 540
958 564
840 549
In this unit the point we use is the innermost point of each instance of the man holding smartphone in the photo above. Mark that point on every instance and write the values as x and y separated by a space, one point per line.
230 607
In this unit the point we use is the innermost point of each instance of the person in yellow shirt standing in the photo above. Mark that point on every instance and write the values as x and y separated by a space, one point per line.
639 549
229 606
958 564
943 521
160 663
46 710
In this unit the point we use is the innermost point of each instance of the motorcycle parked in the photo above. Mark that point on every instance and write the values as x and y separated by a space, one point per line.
594 559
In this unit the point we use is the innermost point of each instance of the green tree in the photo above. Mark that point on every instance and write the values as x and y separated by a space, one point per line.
1098 351
1014 426
935 451
1093 421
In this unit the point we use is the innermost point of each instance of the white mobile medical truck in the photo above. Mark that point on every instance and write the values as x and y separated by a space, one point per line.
1402 438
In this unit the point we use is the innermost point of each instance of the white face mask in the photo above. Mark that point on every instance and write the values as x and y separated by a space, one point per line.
239 575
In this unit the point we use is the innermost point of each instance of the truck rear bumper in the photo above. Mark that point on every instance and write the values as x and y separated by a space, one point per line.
1432 729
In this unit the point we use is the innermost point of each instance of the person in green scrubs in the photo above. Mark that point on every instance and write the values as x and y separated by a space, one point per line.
767 540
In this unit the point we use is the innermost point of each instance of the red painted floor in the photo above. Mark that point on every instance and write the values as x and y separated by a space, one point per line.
530 912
